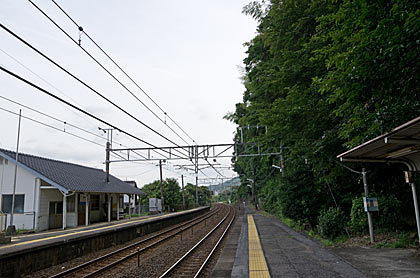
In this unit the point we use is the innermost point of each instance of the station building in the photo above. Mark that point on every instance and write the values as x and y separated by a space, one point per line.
54 194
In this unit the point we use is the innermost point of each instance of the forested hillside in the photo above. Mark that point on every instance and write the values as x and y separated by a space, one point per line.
325 76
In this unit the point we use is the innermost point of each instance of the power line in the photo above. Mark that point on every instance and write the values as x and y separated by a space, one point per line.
64 122
56 128
50 126
43 79
103 67
80 110
82 82
51 117
115 63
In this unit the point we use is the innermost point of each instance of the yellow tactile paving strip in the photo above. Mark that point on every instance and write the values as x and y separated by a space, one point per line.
66 233
257 264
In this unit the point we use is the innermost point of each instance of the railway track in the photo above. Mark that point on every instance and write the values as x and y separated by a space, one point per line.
194 261
95 267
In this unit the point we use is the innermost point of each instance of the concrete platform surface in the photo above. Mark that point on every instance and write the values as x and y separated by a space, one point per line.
224 265
382 262
292 254
287 253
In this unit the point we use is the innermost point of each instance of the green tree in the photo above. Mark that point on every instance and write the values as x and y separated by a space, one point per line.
204 195
171 193
324 76
373 65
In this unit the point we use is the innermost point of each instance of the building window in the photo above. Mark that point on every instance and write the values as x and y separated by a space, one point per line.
6 204
56 208
3 161
94 201
71 203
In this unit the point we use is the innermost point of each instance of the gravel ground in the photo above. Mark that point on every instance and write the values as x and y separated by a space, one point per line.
161 258
153 259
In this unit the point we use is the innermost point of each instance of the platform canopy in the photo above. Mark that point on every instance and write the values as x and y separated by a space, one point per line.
400 145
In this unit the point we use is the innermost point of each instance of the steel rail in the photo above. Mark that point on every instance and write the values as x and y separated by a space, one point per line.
188 223
177 263
215 246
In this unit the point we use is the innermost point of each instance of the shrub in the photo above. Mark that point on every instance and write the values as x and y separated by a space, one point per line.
358 217
331 223
388 219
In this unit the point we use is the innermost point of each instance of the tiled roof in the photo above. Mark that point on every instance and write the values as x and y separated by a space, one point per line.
72 177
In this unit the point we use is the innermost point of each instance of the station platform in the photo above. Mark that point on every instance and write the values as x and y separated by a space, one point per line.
262 246
31 252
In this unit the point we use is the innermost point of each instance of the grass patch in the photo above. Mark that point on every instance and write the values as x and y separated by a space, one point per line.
24 231
400 240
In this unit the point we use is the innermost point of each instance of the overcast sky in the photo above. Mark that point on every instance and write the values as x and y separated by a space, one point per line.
186 55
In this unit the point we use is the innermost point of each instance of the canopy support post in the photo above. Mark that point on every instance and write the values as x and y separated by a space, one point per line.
416 208
372 239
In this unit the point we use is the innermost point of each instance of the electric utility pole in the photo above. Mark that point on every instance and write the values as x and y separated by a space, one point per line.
196 189
107 156
108 147
369 214
12 228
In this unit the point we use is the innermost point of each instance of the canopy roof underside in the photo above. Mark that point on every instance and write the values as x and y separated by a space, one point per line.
400 145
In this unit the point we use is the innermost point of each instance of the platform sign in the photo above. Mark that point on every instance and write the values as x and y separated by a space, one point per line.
370 204
153 205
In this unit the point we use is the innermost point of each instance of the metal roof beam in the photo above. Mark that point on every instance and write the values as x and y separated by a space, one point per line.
401 141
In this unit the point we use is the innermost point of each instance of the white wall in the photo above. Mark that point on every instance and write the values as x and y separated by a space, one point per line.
47 196
25 184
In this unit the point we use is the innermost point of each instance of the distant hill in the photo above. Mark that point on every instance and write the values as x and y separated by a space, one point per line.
227 185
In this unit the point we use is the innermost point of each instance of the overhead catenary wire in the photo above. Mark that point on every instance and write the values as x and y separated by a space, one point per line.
83 83
122 70
50 126
52 117
56 128
105 69
81 110
64 122
65 131
46 81
56 64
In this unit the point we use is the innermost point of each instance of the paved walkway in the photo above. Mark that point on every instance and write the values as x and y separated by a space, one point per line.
284 253
288 253
291 254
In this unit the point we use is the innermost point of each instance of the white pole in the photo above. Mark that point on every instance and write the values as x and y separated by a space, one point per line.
37 203
64 211
416 208
109 207
87 210
118 206
14 180
129 205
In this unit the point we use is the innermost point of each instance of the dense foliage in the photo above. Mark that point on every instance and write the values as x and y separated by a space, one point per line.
324 76
331 223
388 219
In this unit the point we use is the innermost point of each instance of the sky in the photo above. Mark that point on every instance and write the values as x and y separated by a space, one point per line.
186 55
